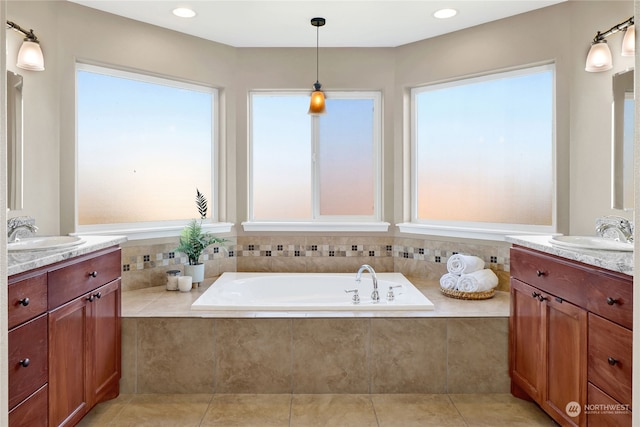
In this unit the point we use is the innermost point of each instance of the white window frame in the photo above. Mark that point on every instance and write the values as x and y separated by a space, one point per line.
154 229
478 230
367 223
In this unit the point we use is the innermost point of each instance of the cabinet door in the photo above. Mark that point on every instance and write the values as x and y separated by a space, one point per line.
565 391
526 339
105 315
69 340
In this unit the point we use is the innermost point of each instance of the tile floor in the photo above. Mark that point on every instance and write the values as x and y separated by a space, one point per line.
265 410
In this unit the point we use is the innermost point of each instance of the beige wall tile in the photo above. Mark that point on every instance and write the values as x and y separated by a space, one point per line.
331 355
128 355
132 280
254 263
253 356
288 264
408 355
478 355
175 355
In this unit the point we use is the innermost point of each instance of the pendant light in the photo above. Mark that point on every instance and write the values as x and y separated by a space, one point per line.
317 104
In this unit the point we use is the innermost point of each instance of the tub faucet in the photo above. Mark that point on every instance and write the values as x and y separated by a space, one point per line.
20 227
375 296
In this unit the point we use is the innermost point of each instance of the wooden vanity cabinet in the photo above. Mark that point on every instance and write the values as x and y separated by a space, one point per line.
568 350
548 350
79 341
84 336
28 350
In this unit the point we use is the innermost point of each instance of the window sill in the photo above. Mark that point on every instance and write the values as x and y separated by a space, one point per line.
466 232
157 232
315 226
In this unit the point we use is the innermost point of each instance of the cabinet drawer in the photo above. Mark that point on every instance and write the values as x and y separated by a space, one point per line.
610 360
70 281
28 364
603 410
612 298
32 412
551 274
27 299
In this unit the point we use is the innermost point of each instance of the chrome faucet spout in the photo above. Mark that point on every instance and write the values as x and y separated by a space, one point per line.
20 227
615 227
375 296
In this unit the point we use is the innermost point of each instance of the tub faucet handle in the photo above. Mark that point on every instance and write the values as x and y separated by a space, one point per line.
390 295
356 298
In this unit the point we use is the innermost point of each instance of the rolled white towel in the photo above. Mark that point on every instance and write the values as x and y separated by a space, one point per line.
463 264
478 281
449 281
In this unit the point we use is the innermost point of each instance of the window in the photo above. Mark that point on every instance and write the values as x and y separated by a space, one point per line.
483 155
144 144
314 169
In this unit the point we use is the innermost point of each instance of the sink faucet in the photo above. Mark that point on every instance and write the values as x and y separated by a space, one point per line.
20 227
622 228
375 296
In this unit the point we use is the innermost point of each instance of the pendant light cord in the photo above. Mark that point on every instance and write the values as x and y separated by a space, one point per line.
317 54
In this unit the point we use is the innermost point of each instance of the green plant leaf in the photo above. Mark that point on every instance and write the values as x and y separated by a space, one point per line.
201 203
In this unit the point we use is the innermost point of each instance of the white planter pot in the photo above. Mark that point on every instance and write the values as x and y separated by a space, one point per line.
195 271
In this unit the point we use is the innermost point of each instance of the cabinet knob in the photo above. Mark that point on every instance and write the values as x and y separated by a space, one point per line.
24 301
98 295
611 301
540 273
25 362
90 298
541 298
535 294
93 274
612 361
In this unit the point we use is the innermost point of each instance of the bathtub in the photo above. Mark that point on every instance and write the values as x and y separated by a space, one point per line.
287 292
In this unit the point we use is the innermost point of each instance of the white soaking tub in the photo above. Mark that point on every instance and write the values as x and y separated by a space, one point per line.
285 292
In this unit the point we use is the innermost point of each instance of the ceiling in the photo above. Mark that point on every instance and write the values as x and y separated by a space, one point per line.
350 23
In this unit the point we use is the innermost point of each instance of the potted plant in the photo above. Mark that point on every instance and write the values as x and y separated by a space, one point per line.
193 241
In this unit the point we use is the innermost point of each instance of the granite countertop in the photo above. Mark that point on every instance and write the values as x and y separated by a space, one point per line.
158 302
21 261
611 260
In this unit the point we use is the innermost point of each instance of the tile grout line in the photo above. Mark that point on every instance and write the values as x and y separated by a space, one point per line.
457 410
375 413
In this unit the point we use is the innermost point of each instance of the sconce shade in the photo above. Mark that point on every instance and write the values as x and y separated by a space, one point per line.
599 57
629 42
317 104
30 56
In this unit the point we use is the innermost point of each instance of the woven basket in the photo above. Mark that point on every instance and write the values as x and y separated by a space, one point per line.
469 295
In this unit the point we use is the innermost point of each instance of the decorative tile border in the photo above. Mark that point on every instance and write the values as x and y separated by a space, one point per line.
164 259
430 251
282 250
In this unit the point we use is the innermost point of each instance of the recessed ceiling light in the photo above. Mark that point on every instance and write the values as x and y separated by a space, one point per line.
184 12
445 13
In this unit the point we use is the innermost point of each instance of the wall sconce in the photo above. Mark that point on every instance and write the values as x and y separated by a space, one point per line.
317 105
599 57
30 55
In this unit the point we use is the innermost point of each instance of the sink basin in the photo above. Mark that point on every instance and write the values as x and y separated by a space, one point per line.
44 243
591 242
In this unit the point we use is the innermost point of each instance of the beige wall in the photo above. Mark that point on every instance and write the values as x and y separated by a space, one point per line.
559 33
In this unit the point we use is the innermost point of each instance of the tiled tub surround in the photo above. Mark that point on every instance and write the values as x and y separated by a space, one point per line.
460 347
145 265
